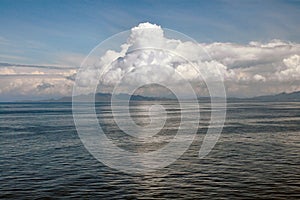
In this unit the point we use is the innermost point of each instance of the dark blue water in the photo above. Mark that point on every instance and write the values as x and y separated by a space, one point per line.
256 157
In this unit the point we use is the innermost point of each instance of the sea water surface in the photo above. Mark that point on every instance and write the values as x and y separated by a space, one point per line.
256 157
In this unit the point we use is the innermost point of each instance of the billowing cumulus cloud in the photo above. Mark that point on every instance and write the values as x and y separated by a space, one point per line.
272 67
148 57
291 71
256 68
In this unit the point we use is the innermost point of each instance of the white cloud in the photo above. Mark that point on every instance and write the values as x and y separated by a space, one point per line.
259 77
150 57
7 71
35 86
249 69
27 82
252 54
292 68
242 66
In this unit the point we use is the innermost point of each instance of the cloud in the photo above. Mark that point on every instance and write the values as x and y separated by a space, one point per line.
7 71
252 54
34 86
258 77
291 70
252 69
33 70
243 66
34 81
46 66
44 86
14 57
149 57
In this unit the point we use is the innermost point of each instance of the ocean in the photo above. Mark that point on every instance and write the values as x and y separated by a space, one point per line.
256 157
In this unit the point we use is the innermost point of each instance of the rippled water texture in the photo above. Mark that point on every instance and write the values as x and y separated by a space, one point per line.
257 155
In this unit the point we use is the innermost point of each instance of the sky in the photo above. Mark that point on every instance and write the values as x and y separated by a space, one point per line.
42 43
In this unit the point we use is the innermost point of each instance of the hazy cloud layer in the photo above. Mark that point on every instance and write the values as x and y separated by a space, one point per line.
34 82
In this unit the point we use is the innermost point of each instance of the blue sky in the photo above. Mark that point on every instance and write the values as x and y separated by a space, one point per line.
36 32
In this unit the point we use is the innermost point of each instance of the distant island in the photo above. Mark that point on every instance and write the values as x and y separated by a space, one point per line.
104 97
294 96
281 97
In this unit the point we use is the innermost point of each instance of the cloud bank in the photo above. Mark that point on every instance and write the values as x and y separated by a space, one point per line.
252 69
19 82
249 69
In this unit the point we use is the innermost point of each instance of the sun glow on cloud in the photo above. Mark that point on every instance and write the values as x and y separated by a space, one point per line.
248 69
